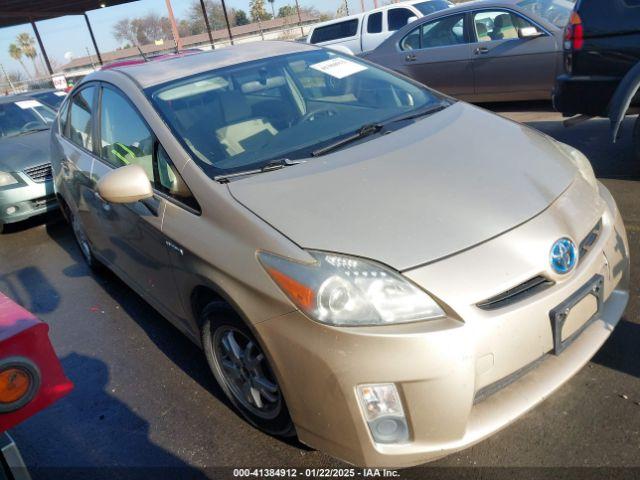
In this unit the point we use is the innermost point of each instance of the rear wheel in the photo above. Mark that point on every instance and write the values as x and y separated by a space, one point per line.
82 240
636 139
243 371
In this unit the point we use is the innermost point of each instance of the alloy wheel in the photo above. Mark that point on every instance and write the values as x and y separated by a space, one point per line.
247 372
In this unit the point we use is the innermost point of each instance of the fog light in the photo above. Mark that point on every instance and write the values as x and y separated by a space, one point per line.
11 210
382 409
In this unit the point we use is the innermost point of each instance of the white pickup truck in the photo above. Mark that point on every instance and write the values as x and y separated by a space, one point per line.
365 31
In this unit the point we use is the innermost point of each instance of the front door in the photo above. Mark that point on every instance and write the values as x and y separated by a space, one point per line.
136 247
439 55
508 64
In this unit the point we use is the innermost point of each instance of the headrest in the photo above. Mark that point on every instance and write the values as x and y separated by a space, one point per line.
234 107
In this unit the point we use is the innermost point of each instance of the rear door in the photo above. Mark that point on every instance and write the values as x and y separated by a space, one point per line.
135 244
438 54
508 65
374 31
77 164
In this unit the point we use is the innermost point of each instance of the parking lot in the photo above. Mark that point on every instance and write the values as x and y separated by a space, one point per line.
144 395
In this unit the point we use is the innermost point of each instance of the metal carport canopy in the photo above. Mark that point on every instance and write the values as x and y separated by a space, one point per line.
16 12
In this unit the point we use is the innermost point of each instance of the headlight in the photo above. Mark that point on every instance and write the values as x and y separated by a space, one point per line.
7 179
348 291
581 162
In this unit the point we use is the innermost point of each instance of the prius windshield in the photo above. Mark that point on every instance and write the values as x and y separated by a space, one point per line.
23 117
286 107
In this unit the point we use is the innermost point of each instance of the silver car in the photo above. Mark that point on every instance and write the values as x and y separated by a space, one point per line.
386 273
26 181
483 51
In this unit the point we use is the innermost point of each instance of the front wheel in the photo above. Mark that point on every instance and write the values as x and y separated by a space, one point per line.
243 371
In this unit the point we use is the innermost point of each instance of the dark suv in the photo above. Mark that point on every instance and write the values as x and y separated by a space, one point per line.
602 61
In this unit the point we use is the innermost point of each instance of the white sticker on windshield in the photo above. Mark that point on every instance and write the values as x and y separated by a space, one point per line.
339 67
60 94
25 104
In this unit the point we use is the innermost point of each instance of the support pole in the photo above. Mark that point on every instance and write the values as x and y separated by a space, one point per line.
299 18
174 26
44 52
206 22
226 19
8 78
93 39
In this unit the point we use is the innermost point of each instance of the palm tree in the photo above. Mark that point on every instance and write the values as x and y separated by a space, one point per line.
28 46
273 8
15 52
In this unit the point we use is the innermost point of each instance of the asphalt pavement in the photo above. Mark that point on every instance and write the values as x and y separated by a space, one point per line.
145 398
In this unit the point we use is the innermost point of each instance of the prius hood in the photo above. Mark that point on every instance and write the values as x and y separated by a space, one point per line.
441 185
24 151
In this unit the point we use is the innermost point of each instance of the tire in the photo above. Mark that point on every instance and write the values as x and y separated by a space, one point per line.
636 140
1 227
82 241
246 377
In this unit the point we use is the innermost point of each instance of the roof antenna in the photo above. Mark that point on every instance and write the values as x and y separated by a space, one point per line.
141 53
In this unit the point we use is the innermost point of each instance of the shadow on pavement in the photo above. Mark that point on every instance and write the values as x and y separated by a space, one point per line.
97 435
622 350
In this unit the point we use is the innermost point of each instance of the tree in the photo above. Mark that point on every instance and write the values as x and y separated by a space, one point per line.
258 12
142 30
286 11
28 46
215 14
241 17
15 52
273 8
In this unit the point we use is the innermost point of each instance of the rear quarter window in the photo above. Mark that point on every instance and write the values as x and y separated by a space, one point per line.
335 31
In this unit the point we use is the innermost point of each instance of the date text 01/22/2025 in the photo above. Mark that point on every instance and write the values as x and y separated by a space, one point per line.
315 472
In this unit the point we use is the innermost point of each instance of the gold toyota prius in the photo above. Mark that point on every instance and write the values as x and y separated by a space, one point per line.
387 273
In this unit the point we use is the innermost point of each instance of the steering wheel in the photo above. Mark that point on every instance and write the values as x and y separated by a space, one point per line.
313 116
30 126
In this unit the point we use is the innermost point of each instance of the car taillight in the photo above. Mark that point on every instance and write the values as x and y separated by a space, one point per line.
19 383
574 33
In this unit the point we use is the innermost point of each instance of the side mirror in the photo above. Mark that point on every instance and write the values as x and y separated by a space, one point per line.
529 32
411 20
127 184
341 48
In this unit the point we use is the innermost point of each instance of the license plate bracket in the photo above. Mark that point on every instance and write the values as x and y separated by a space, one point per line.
559 315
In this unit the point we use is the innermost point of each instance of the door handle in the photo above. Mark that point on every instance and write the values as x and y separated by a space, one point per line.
411 57
481 50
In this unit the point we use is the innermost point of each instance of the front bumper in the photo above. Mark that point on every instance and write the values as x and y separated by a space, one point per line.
441 367
27 198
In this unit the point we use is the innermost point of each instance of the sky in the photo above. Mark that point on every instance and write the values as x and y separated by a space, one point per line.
69 35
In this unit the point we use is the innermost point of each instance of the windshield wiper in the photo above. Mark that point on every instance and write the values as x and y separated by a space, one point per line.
31 130
430 110
270 166
363 132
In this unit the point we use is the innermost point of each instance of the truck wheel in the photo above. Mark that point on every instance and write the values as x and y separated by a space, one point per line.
243 371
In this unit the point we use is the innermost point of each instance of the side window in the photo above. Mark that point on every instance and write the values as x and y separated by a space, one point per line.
498 25
171 183
444 32
374 23
412 40
124 137
335 31
80 121
398 18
